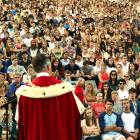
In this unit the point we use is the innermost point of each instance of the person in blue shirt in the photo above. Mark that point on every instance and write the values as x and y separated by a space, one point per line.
110 123
14 85
134 103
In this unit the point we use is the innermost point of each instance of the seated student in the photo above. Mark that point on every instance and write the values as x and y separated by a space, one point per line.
102 76
122 92
67 77
117 107
27 77
106 91
110 123
134 103
89 94
87 71
130 121
90 126
11 124
99 105
74 69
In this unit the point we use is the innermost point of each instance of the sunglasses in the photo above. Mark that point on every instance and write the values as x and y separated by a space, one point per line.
122 83
113 74
126 76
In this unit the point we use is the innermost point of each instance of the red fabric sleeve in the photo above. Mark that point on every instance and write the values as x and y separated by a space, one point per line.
79 93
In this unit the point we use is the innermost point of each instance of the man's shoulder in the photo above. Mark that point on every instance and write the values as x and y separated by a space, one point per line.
44 81
36 90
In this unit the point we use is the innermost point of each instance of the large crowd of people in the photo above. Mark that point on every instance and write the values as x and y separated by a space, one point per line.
94 45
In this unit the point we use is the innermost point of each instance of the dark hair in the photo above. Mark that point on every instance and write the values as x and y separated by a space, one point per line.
133 90
109 100
86 62
40 62
110 65
122 80
110 79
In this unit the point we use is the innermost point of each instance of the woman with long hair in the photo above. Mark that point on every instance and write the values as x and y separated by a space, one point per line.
3 91
120 73
58 50
132 72
90 94
99 105
90 126
106 91
113 81
57 68
98 53
9 48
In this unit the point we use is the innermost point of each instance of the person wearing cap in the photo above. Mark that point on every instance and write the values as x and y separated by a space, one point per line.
52 110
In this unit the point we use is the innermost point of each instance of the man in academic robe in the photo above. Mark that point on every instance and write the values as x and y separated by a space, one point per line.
47 107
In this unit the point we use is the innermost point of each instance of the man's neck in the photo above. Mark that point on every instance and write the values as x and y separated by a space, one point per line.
124 63
127 111
122 89
133 100
43 73
109 112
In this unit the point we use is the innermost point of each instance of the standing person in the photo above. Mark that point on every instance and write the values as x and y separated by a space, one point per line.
49 106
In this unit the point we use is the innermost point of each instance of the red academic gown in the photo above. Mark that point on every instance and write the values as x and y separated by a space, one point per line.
55 118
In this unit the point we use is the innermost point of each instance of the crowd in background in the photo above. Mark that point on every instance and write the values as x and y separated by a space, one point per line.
94 45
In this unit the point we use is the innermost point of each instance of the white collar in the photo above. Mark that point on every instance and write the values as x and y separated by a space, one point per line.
43 74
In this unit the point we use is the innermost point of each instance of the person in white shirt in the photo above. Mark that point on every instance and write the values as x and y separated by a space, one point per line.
27 39
125 63
122 92
129 82
28 76
130 122
97 66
